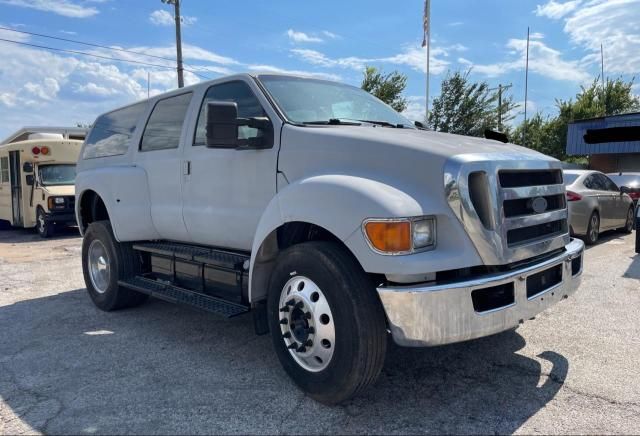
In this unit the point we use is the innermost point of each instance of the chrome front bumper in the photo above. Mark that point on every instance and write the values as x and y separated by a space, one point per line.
429 315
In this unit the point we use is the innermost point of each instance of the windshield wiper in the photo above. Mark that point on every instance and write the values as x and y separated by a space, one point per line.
383 123
331 122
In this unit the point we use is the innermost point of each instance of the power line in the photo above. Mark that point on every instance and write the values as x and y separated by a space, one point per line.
63 50
89 44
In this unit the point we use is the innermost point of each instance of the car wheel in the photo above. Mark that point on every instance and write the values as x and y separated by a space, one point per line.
628 225
327 324
44 228
104 262
593 229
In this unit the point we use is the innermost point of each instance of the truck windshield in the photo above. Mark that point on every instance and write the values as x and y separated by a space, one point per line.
312 101
57 174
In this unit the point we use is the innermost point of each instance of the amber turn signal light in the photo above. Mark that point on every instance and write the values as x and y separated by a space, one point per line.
389 236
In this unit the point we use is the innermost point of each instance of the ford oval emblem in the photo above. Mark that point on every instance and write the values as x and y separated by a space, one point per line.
539 204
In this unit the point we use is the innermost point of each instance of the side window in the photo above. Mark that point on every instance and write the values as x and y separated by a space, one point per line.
111 132
588 182
248 107
599 182
4 170
164 127
611 186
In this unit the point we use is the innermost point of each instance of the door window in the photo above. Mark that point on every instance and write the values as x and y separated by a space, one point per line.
4 170
164 127
248 107
610 185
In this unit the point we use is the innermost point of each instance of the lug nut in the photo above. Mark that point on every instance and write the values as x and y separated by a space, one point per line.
309 343
311 330
286 335
284 321
301 349
307 315
284 309
293 346
291 302
299 305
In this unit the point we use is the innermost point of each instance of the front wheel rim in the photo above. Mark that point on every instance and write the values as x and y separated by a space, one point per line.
306 324
41 223
99 266
630 216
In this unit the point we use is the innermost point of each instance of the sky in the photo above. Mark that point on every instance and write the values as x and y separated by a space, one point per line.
327 39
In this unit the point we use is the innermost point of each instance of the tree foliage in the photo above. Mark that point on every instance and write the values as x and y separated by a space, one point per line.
387 87
549 135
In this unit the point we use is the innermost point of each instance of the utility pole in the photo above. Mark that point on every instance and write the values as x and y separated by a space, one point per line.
526 93
500 88
176 5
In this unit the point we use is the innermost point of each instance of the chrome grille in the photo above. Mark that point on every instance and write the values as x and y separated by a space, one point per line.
512 205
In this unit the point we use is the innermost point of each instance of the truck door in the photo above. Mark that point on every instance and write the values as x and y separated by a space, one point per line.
16 187
160 155
227 189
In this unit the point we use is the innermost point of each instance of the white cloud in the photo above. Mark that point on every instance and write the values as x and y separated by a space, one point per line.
555 10
455 23
543 60
162 17
411 56
66 8
295 36
94 89
614 24
330 35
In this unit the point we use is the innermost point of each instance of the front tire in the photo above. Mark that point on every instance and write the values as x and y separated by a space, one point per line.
104 262
593 229
628 225
327 324
44 228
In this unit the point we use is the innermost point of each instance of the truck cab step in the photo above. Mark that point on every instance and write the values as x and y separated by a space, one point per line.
176 294
194 253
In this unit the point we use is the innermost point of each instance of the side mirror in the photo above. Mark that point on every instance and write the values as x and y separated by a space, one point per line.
27 167
419 125
625 190
30 180
222 124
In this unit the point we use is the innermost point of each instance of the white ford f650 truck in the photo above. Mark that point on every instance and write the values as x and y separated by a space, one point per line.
327 215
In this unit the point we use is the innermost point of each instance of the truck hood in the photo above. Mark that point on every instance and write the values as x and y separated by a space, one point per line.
60 190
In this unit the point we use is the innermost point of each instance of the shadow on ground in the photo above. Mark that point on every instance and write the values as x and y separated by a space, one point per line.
18 235
66 367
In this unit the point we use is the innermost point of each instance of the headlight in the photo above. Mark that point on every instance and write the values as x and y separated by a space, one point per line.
400 235
55 203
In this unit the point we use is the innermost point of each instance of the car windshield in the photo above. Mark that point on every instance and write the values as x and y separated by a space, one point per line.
312 101
570 178
57 174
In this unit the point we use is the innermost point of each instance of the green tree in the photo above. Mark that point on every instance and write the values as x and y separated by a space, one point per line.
468 108
387 87
549 135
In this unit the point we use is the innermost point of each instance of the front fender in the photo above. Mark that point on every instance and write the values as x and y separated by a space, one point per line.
340 203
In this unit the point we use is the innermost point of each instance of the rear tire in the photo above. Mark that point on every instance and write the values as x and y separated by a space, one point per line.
593 229
628 226
343 352
44 228
104 262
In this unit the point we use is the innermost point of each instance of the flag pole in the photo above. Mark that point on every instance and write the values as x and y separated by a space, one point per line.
427 41
526 93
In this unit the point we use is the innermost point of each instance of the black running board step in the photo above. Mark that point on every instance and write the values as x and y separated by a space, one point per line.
176 294
210 256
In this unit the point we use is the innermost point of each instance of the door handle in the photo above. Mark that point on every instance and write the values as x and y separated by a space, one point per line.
186 167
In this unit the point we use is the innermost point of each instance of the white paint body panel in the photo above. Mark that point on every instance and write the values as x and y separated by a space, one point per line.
331 176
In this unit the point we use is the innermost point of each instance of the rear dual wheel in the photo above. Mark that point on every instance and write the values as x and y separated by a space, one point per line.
327 324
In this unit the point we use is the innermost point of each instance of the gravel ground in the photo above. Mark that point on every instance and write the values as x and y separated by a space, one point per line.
66 367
